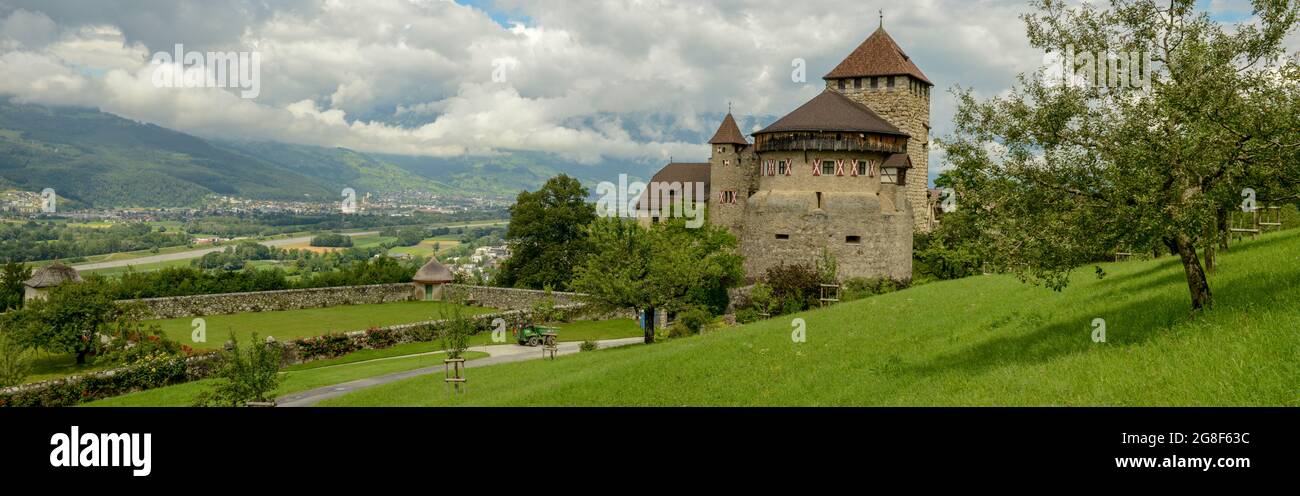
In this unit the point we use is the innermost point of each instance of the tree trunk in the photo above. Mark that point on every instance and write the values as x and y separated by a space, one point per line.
1197 284
1221 218
1210 257
650 326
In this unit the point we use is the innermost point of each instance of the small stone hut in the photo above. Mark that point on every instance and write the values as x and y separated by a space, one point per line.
430 279
46 278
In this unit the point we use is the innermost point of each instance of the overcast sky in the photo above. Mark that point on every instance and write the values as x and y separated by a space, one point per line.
589 80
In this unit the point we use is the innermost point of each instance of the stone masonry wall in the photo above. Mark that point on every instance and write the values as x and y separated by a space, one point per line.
906 106
295 299
271 301
508 298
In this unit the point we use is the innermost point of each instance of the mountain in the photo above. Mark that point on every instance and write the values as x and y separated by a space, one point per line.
93 158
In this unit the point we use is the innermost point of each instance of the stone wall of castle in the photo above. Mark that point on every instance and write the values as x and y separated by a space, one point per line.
730 170
297 299
907 107
867 226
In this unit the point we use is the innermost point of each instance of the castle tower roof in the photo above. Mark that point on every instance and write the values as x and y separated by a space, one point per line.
879 55
832 112
728 133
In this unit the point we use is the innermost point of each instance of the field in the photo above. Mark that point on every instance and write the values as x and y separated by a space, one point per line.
425 248
293 324
984 340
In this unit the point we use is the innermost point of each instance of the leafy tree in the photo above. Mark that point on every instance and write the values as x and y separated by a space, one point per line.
332 240
11 285
246 374
69 320
1066 173
546 235
15 363
667 267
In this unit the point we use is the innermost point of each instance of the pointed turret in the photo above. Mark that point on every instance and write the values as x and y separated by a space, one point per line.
728 133
879 55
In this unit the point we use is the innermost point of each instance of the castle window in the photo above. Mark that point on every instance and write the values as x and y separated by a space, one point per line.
828 167
780 168
861 167
853 240
875 83
890 80
726 162
728 197
783 236
819 199
889 175
722 149
841 84
857 83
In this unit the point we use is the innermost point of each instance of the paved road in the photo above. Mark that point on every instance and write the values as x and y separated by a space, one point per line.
186 255
498 354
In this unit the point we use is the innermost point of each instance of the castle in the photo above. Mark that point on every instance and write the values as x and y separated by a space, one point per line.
845 173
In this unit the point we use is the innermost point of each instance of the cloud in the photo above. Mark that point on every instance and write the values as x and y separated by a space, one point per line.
634 80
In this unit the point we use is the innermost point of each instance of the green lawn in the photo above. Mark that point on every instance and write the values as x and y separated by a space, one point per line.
293 324
985 340
296 378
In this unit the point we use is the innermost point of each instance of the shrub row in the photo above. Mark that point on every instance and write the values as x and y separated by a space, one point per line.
150 372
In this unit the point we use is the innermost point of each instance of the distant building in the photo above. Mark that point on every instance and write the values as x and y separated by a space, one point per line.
46 278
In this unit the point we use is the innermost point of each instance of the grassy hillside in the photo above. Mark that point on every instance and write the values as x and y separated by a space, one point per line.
986 340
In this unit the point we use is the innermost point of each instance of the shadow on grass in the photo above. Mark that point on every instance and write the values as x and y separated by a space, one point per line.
1133 323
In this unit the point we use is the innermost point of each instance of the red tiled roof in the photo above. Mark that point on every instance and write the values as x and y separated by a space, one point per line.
879 55
832 112
728 133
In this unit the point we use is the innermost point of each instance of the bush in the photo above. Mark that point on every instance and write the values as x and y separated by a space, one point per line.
747 315
694 319
797 287
860 287
247 374
587 346
129 341
149 372
679 330
14 363
455 333
544 311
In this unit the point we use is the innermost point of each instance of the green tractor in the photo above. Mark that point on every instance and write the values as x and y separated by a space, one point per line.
534 335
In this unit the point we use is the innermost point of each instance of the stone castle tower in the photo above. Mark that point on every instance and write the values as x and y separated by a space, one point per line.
731 166
844 174
880 75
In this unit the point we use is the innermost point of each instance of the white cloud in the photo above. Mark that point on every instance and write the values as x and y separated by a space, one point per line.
586 79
